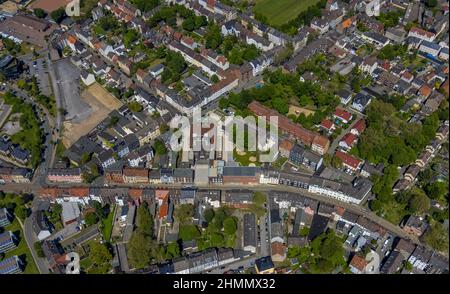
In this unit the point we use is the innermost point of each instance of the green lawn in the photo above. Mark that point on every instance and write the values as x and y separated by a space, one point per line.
108 224
244 160
22 250
279 12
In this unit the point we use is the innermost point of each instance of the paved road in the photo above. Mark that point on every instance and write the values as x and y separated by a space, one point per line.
31 238
259 187
59 105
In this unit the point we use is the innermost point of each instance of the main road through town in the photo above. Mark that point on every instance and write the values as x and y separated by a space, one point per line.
360 210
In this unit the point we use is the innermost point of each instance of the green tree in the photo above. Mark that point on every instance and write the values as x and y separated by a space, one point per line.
172 250
139 250
184 213
21 212
419 202
215 79
91 218
230 225
38 248
58 15
99 254
130 37
144 220
208 214
160 148
39 12
336 162
217 240
189 24
437 237
135 106
436 190
213 37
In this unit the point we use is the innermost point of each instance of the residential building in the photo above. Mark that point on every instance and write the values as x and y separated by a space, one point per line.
415 225
358 264
250 233
360 102
5 217
421 34
11 265
342 115
349 162
302 156
264 265
355 192
70 213
67 175
359 127
135 175
41 226
7 241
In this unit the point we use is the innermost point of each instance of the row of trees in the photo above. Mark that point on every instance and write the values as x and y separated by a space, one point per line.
175 65
390 139
31 137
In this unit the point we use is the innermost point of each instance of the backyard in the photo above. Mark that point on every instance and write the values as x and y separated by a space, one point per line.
279 12
107 224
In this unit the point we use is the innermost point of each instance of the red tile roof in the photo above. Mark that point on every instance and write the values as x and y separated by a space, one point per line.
360 126
163 209
358 262
135 193
348 160
349 139
162 194
345 115
49 192
407 75
321 141
286 145
79 192
421 32
302 134
135 172
425 91
327 124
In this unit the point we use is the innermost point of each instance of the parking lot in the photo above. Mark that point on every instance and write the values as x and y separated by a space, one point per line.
39 69
68 80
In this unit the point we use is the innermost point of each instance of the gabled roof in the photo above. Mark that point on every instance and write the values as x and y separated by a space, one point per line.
326 124
348 159
359 262
342 114
360 126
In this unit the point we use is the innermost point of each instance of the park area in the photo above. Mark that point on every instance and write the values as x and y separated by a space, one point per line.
279 12
17 204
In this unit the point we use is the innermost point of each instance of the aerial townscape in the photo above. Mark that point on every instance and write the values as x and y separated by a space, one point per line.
357 181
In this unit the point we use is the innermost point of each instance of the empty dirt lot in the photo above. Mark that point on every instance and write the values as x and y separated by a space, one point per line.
48 5
297 110
101 103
